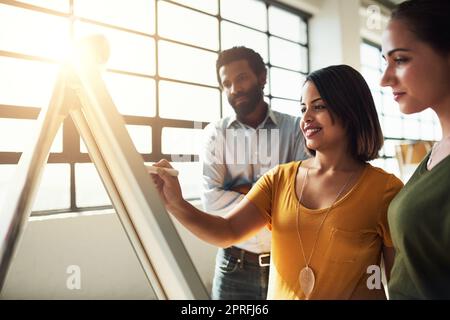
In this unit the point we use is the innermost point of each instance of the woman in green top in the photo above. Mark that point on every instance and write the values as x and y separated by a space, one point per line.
416 46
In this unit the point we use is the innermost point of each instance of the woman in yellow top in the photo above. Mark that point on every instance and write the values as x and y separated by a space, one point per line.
328 214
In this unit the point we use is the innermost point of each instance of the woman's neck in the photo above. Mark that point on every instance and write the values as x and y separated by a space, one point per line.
332 161
443 113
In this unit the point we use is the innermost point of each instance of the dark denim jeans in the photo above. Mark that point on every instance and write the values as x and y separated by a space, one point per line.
234 280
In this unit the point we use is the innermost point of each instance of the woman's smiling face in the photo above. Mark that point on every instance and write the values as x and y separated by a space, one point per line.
319 128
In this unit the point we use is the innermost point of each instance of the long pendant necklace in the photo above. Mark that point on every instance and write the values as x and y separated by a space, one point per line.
306 278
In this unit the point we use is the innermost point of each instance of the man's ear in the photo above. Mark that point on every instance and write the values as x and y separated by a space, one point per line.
262 78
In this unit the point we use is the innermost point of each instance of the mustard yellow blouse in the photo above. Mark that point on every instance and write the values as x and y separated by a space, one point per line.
349 242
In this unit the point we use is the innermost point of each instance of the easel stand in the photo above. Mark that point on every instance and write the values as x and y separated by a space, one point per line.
81 94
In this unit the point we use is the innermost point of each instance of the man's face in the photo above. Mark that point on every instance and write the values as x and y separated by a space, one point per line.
244 89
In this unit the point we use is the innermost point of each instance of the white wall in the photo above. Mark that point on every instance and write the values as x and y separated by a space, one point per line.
334 34
99 246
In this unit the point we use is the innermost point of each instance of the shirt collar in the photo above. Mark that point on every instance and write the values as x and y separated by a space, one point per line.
270 116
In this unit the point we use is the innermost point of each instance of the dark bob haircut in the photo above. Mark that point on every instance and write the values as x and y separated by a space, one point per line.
253 58
429 20
348 98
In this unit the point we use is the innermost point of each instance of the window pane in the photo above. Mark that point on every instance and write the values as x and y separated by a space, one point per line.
24 133
209 6
136 15
7 174
142 137
54 189
379 162
288 55
89 187
181 141
128 51
195 66
58 5
427 130
188 26
411 129
378 99
235 35
287 25
286 84
385 90
268 82
33 33
188 102
389 147
372 77
437 132
132 95
286 106
413 116
434 117
239 11
390 107
393 127
391 166
227 110
190 183
31 83
428 115
381 120
17 76
370 56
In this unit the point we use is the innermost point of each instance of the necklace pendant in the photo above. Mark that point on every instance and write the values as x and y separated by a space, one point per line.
307 281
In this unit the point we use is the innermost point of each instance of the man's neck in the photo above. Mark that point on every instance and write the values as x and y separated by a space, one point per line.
255 118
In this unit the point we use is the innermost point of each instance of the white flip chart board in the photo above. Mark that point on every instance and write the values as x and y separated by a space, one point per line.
80 93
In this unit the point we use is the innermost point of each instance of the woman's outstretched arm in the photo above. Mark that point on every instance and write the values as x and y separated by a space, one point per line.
241 223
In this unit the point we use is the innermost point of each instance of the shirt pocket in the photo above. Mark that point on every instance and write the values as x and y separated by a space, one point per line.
345 246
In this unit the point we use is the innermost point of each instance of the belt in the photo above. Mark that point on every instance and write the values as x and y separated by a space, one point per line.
261 259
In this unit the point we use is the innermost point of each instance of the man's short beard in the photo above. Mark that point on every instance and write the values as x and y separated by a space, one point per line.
255 95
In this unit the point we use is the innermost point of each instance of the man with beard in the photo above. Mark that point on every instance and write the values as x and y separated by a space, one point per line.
238 150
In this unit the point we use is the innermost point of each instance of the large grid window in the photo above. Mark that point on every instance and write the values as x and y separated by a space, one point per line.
161 76
396 126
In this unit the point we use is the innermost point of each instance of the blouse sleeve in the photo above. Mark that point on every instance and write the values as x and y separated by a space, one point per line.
393 186
261 194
